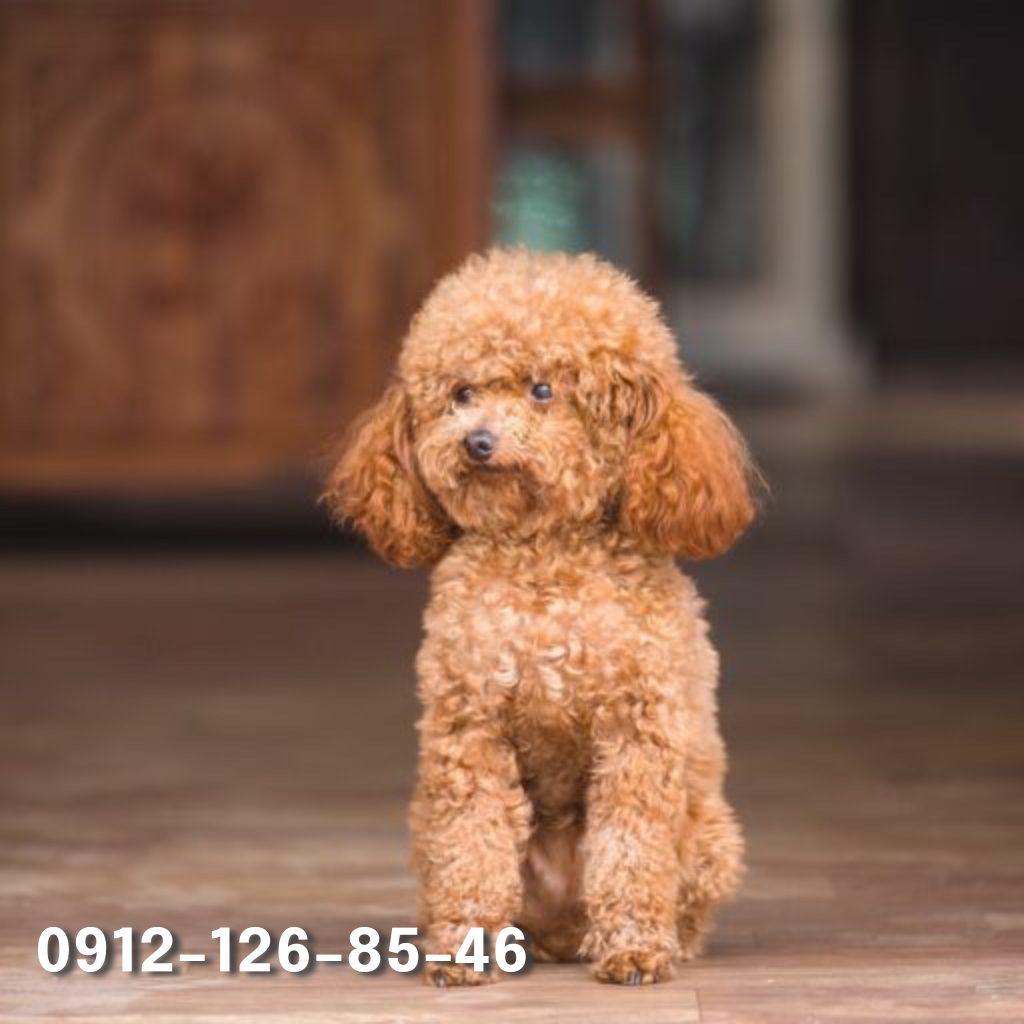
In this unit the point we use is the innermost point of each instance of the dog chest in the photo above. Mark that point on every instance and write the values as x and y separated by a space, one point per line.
551 639
531 643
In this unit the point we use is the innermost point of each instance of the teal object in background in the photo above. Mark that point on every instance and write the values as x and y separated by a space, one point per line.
575 200
542 201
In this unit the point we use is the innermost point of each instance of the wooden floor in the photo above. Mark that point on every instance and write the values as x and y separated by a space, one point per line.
197 741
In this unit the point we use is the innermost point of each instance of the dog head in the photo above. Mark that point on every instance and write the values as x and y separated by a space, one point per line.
539 392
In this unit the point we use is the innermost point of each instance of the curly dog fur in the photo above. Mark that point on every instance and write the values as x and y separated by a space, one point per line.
571 766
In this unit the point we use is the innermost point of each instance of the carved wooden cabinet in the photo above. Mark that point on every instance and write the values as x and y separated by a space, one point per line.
216 220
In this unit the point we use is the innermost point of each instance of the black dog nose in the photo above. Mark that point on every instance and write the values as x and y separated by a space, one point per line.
480 444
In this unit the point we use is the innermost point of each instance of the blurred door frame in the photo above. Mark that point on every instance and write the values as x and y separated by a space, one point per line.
936 196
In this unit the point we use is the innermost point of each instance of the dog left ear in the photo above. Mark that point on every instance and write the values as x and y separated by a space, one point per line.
687 482
376 487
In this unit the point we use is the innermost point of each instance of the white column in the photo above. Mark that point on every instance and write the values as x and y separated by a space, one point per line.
788 323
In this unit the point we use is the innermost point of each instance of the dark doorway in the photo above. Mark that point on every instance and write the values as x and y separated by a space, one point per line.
937 207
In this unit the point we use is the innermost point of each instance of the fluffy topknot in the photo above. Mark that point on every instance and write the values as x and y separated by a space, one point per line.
513 307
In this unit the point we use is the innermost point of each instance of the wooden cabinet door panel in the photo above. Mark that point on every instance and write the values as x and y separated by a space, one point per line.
216 220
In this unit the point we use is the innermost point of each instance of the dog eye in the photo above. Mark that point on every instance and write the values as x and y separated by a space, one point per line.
463 396
542 392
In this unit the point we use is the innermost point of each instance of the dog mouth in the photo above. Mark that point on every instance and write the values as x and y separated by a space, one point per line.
529 477
504 477
492 468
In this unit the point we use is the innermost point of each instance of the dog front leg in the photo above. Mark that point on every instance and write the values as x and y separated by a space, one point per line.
470 823
635 809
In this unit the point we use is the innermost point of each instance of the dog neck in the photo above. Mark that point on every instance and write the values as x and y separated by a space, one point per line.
549 542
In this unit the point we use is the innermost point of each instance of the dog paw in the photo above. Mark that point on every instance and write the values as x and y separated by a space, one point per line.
452 975
634 967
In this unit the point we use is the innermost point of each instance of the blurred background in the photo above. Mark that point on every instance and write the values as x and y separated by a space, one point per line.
216 218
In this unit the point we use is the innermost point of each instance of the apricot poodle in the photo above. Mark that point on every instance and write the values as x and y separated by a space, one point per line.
544 451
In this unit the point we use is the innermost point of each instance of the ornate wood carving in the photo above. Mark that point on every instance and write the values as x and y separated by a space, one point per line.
216 220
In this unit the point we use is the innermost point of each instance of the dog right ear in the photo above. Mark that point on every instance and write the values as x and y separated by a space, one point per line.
689 486
376 486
